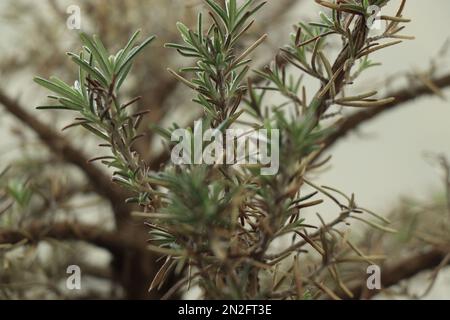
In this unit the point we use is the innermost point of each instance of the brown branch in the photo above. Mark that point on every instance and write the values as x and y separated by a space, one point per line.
67 231
402 96
63 148
358 39
405 269
133 265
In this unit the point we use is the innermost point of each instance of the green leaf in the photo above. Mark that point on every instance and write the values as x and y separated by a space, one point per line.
179 47
57 86
71 104
101 59
82 78
55 107
122 53
133 54
19 192
184 30
104 54
91 70
237 81
219 11
200 27
231 9
96 131
121 77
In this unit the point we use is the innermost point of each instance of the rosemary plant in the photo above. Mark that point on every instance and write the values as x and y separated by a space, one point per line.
217 225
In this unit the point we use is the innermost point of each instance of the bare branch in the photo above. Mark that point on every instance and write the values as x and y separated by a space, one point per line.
39 231
402 96
405 269
62 147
